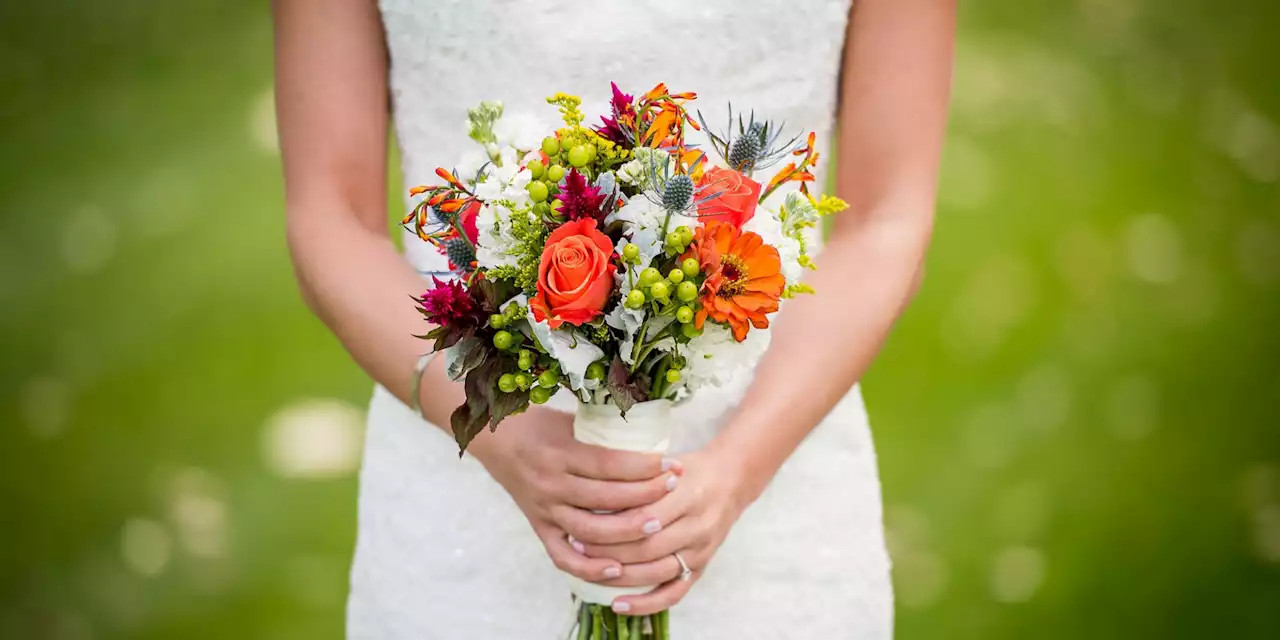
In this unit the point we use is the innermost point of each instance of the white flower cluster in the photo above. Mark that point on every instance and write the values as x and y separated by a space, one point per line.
714 358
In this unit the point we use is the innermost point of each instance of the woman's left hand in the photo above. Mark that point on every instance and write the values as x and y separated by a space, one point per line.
693 520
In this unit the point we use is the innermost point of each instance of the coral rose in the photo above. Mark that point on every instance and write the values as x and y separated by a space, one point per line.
737 196
575 277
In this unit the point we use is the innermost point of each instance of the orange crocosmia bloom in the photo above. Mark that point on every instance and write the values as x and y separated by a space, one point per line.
744 279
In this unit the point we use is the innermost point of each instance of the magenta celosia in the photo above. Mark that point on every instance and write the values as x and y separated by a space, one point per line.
449 304
624 113
578 199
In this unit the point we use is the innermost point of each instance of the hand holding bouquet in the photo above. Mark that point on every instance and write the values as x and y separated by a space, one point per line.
623 263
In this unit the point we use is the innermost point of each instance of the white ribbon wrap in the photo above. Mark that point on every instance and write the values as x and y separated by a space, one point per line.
646 429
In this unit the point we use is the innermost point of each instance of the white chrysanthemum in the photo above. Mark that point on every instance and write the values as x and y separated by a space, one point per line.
574 353
521 130
643 222
714 358
495 245
505 182
469 165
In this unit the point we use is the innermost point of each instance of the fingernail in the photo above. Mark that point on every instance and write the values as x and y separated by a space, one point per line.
578 546
612 572
667 463
651 527
671 483
621 606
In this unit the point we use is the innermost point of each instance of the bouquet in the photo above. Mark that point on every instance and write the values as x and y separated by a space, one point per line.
629 264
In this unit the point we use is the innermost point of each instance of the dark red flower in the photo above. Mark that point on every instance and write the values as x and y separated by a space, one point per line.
449 304
467 220
578 199
624 112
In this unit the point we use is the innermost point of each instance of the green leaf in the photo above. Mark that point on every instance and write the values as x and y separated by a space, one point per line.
507 404
466 425
452 336
469 353
469 419
625 393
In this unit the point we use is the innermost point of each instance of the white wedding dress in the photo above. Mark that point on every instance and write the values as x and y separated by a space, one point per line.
442 551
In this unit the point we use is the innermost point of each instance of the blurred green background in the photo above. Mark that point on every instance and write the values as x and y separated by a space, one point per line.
1077 420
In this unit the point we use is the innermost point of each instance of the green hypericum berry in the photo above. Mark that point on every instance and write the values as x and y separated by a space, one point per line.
684 315
690 267
675 240
540 395
524 381
507 383
497 321
525 359
512 311
579 156
542 209
649 276
659 290
548 379
678 193
673 376
502 340
690 331
550 146
687 291
635 299
536 169
591 151
555 173
686 234
631 252
595 371
537 191
676 276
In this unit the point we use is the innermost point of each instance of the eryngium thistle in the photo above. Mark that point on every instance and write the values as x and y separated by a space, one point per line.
678 193
745 150
460 252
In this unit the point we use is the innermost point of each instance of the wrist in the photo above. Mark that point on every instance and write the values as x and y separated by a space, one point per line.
745 479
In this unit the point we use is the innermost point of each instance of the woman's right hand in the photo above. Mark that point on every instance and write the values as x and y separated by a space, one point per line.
559 484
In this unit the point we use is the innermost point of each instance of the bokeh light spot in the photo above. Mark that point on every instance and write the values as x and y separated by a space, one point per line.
1017 574
145 546
262 122
88 240
920 578
314 439
198 512
1154 248
1044 398
46 404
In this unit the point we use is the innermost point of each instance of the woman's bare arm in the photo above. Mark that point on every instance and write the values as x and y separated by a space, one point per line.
895 87
897 71
331 102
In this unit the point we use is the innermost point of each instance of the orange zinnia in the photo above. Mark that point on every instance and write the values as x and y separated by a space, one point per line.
743 281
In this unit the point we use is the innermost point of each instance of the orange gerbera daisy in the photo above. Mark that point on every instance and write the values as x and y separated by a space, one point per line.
743 282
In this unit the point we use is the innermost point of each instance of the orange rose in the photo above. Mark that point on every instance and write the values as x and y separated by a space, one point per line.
737 199
575 278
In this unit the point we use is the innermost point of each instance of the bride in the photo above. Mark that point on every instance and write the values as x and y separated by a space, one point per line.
771 494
